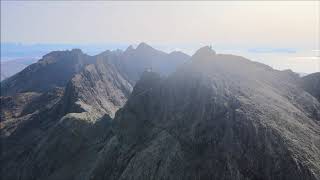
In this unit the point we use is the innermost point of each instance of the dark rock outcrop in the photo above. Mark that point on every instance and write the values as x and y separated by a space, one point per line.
12 106
311 83
18 109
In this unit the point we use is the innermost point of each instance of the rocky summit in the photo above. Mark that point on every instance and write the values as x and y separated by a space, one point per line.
211 116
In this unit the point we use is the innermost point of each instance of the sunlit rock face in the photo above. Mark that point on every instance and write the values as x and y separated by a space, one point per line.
99 89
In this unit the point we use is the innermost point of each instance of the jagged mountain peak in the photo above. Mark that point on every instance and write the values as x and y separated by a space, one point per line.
54 70
204 53
58 54
58 67
177 53
134 61
144 46
129 48
141 49
77 51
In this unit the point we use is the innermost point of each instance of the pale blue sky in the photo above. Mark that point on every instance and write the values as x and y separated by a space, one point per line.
231 27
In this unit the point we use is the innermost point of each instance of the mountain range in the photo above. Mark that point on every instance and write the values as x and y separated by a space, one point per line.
146 114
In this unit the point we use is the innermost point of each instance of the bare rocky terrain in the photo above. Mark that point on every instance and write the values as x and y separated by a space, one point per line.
213 116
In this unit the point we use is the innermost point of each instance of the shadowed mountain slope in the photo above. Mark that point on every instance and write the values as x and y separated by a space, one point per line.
53 70
13 66
311 84
219 117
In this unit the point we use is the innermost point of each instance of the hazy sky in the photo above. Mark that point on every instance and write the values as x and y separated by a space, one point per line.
282 34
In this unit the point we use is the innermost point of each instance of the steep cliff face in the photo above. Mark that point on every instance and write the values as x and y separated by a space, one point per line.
57 138
219 117
99 89
311 83
53 70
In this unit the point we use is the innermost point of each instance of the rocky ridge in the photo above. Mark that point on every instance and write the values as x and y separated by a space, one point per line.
217 117
212 121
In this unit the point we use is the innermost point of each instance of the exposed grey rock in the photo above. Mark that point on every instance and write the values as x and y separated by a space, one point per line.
22 106
12 106
99 89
